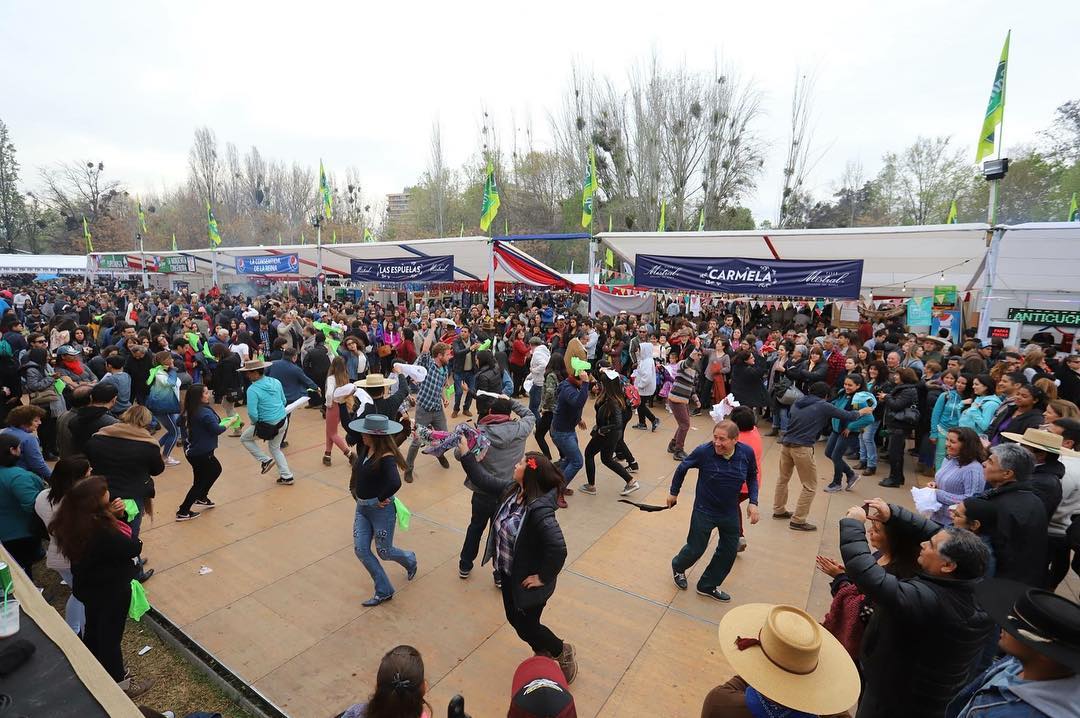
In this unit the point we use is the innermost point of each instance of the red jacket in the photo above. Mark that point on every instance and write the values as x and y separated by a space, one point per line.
836 367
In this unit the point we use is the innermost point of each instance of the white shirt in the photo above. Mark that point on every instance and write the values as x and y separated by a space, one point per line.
20 300
242 349
1070 497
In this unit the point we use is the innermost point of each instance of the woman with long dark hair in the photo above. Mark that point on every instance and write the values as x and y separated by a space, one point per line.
526 545
163 401
203 429
65 474
19 488
845 434
336 378
554 373
375 479
961 473
38 380
611 409
102 550
400 687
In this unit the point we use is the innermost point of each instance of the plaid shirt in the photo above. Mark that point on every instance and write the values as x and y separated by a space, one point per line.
507 524
429 396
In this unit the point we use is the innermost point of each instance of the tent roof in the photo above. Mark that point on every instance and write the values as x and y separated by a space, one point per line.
1039 257
892 255
471 256
42 264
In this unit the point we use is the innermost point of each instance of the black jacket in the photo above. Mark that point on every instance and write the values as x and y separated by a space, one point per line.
1046 483
317 364
925 634
1020 423
85 423
1020 539
457 364
488 379
747 386
227 380
128 465
901 397
803 377
106 569
540 548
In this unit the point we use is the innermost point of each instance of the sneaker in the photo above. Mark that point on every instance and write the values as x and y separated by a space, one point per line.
135 687
463 574
410 573
833 487
782 515
640 427
859 466
186 515
498 583
376 600
144 576
171 462
671 448
742 545
870 471
804 526
851 481
678 455
655 425
714 593
679 578
630 488
205 504
633 468
568 662
408 477
267 465
284 445
326 459
589 489
890 484
286 481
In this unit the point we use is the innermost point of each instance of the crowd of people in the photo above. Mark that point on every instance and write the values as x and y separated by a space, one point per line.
106 389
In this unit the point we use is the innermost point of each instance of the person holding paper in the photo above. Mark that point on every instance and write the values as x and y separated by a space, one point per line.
204 427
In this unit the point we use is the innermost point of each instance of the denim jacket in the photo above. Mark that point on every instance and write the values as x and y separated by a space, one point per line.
1000 693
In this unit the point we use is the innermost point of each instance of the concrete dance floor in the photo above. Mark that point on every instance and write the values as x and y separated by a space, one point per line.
281 604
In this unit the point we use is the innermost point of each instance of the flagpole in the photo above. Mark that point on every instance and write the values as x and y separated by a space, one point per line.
592 270
142 261
318 250
213 260
491 276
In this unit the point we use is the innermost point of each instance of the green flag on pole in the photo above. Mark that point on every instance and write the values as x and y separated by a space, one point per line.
951 219
279 238
211 227
609 258
995 109
701 219
1074 210
142 217
662 225
333 239
462 228
368 236
324 188
302 240
588 189
506 226
174 242
90 238
490 207
609 223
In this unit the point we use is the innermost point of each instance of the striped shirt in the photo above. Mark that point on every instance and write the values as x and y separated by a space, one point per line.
429 396
507 525
685 380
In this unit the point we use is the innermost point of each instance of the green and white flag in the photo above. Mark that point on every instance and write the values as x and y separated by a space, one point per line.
995 109
588 189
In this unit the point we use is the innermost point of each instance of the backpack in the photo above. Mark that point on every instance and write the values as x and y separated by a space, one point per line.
631 392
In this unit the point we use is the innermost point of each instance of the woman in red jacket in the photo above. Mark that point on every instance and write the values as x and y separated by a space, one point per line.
519 360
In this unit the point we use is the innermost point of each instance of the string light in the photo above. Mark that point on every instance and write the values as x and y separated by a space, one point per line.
905 286
943 275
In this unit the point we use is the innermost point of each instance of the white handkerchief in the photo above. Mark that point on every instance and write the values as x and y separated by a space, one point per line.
302 401
925 499
721 411
527 385
414 371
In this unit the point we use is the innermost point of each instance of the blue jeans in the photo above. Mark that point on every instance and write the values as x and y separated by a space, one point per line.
572 460
168 440
780 417
867 447
536 394
74 611
469 379
373 523
836 448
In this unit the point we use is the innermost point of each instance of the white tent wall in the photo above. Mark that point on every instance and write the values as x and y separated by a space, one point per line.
66 264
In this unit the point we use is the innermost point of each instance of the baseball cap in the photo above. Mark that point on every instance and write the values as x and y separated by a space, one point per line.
540 691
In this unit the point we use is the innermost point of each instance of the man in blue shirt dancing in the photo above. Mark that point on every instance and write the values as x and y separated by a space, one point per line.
723 466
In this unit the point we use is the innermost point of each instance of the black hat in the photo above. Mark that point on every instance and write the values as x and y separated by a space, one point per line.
1039 619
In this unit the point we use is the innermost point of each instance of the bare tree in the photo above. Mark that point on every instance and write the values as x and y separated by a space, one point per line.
11 201
205 166
851 181
799 160
920 183
437 179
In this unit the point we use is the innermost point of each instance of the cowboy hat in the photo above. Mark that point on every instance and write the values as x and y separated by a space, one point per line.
786 656
1043 621
929 338
374 381
376 424
255 365
1042 440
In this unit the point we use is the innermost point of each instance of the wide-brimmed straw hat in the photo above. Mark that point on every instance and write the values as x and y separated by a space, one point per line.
1040 439
255 365
374 381
377 424
1043 621
784 654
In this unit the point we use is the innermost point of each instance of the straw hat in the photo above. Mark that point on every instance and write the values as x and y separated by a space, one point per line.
789 658
374 381
377 424
255 365
1042 440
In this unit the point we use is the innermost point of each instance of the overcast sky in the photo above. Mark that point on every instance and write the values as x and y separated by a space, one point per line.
360 83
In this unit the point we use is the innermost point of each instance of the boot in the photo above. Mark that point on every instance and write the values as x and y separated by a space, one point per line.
859 466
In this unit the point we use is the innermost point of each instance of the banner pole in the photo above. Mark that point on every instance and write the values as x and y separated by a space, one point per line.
318 250
592 268
491 277
213 264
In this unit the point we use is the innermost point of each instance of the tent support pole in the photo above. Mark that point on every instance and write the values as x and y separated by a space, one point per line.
996 236
213 264
491 277
142 261
592 266
318 252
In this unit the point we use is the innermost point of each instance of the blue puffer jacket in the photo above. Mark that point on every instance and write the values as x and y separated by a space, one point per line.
809 416
845 403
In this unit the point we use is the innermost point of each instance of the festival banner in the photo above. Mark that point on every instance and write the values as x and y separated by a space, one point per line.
404 269
944 296
113 262
919 311
839 279
175 264
947 319
268 264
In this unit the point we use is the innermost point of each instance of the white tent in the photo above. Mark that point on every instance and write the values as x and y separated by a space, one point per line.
67 264
471 257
